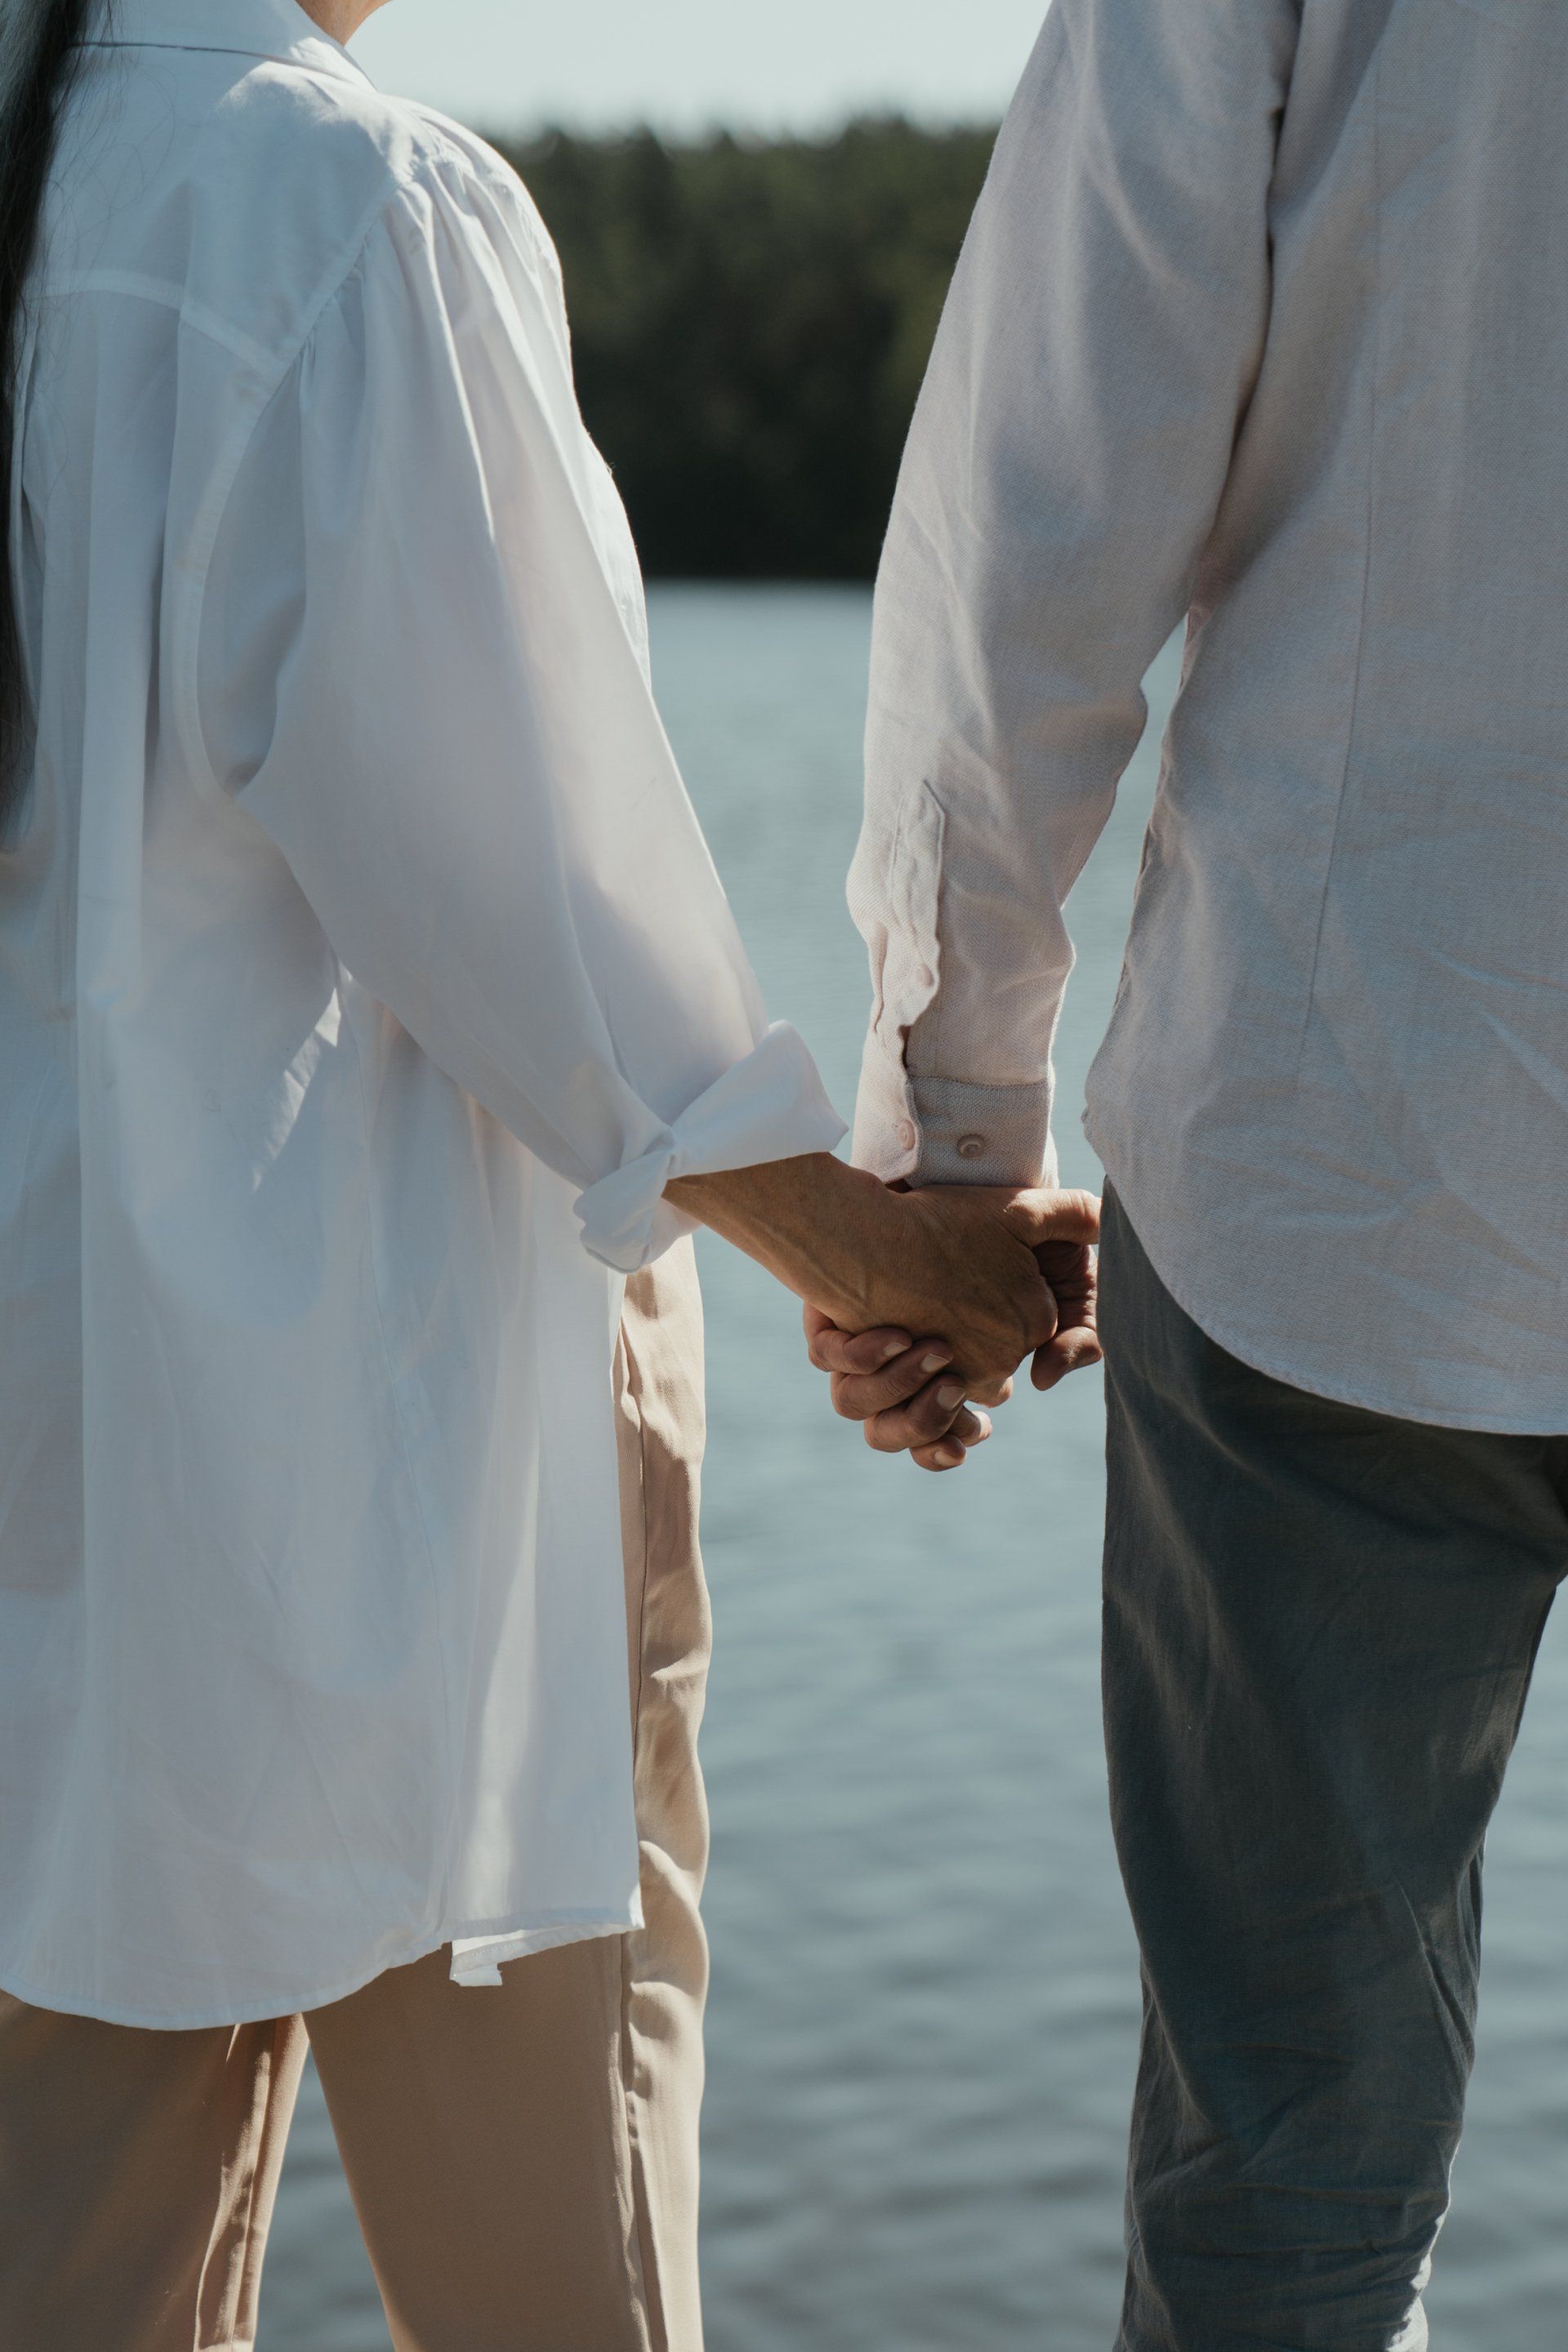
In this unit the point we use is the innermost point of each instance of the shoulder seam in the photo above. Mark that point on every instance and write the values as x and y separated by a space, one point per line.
172 296
203 542
208 523
268 362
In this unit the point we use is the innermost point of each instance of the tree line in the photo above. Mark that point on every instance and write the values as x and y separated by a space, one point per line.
749 324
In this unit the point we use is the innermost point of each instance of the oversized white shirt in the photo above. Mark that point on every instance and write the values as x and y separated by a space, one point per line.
360 960
1263 323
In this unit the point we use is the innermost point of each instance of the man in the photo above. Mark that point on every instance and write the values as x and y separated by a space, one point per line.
1263 321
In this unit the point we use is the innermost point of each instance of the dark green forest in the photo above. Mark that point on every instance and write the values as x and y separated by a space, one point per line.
749 323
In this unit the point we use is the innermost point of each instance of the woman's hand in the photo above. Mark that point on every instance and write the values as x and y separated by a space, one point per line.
957 1260
974 1252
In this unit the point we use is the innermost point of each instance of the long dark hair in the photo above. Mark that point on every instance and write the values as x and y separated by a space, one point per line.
38 55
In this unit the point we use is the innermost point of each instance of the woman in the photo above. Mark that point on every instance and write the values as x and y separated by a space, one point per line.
369 1010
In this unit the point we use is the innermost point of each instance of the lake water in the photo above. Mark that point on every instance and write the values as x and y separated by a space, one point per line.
924 2002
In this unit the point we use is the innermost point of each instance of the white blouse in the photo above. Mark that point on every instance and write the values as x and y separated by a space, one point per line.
360 960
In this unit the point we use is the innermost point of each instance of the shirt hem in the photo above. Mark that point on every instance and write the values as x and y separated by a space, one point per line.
518 1937
1364 1396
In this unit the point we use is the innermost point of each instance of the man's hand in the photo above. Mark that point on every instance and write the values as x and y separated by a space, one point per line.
906 1393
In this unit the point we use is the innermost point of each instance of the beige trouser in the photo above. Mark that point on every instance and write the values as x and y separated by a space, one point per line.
523 2162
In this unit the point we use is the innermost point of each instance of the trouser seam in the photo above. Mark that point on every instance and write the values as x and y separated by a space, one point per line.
241 2235
644 2242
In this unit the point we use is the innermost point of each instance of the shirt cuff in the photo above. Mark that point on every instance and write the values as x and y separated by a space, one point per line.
945 1131
770 1106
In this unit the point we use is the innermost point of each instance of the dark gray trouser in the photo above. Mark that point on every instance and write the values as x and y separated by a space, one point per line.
1320 1626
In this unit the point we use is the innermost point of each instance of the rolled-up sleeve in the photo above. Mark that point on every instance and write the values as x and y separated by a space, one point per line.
423 670
1066 459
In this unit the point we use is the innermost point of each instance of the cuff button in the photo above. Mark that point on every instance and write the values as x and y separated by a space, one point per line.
970 1147
907 1134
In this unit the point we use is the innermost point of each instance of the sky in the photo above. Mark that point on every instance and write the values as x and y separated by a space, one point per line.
685 65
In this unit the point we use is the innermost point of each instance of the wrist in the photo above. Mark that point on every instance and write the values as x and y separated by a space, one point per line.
797 1217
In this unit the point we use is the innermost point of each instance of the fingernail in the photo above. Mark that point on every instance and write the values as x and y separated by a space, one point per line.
894 1348
936 1359
949 1456
983 1431
949 1396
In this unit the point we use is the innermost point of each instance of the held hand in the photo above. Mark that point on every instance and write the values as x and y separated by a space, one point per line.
959 1260
908 1397
1072 1270
963 1246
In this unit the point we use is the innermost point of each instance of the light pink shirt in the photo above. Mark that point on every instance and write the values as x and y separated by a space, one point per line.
1263 321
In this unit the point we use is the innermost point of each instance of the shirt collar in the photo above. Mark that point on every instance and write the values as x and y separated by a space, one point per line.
255 29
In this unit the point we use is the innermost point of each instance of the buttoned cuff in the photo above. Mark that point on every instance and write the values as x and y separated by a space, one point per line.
983 1134
945 1131
771 1105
